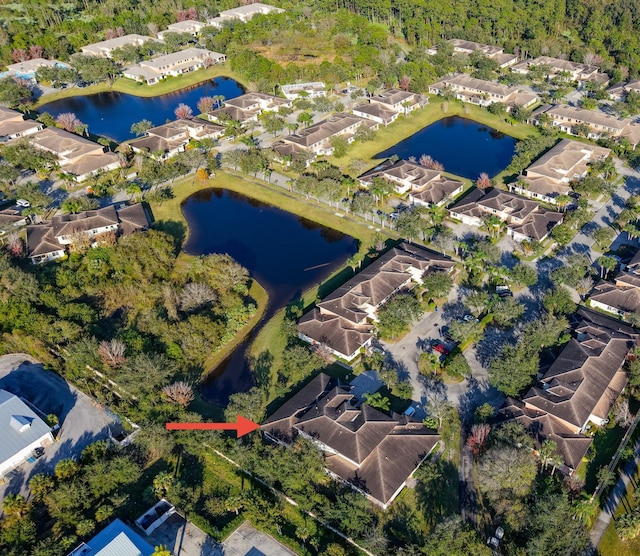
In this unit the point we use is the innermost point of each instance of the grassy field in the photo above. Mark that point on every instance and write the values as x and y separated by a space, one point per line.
123 85
404 127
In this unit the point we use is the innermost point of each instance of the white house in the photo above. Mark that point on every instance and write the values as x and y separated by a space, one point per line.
105 49
188 26
313 89
21 430
175 64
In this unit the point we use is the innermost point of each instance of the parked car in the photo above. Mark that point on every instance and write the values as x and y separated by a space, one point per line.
23 203
444 332
469 318
504 291
440 348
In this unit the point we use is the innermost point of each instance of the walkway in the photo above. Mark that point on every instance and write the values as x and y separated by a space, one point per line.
614 498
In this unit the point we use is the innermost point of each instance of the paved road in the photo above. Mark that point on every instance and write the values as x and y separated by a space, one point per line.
82 421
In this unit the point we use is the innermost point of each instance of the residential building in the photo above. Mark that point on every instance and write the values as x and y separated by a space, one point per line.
243 13
398 100
48 241
579 388
622 297
105 49
343 321
27 70
13 125
585 380
375 112
317 137
247 107
619 91
482 92
524 218
175 64
618 300
373 452
566 118
10 218
76 155
115 539
496 53
576 72
571 447
22 432
551 174
167 140
426 187
188 26
313 89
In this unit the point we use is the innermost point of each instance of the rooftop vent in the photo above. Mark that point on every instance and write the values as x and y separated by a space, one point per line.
20 422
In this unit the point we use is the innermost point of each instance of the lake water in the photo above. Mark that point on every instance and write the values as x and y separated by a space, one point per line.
285 253
465 148
111 114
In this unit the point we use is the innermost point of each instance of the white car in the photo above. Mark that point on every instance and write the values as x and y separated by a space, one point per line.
23 203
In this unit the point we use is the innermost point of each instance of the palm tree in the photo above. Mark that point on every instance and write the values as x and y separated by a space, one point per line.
493 224
562 201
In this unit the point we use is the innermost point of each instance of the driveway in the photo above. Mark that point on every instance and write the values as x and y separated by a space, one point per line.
82 420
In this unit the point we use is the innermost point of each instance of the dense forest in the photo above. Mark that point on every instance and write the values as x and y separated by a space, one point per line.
343 39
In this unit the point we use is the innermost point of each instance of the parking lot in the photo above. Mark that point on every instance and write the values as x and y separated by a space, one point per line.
82 421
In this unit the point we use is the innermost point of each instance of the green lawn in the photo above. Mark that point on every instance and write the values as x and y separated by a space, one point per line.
123 85
605 444
611 545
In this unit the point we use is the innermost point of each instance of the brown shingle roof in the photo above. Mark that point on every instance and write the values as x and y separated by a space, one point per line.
40 240
626 299
542 426
567 160
374 451
67 224
585 371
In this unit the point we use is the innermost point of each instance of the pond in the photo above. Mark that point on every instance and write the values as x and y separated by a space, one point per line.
285 253
111 114
465 148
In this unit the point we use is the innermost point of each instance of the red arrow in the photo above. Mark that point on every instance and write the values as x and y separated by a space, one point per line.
242 426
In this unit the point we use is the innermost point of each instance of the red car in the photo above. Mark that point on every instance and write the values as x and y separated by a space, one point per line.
440 348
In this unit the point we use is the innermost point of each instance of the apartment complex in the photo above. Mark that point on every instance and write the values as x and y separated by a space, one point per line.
174 64
598 123
77 156
169 139
343 321
426 187
13 125
551 175
317 137
496 53
524 219
554 66
105 49
375 453
48 241
482 92
243 13
579 388
247 107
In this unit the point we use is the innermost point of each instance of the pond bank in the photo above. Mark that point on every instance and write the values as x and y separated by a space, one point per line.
128 86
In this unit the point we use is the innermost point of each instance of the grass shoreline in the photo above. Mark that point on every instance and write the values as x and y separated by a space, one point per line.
130 87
